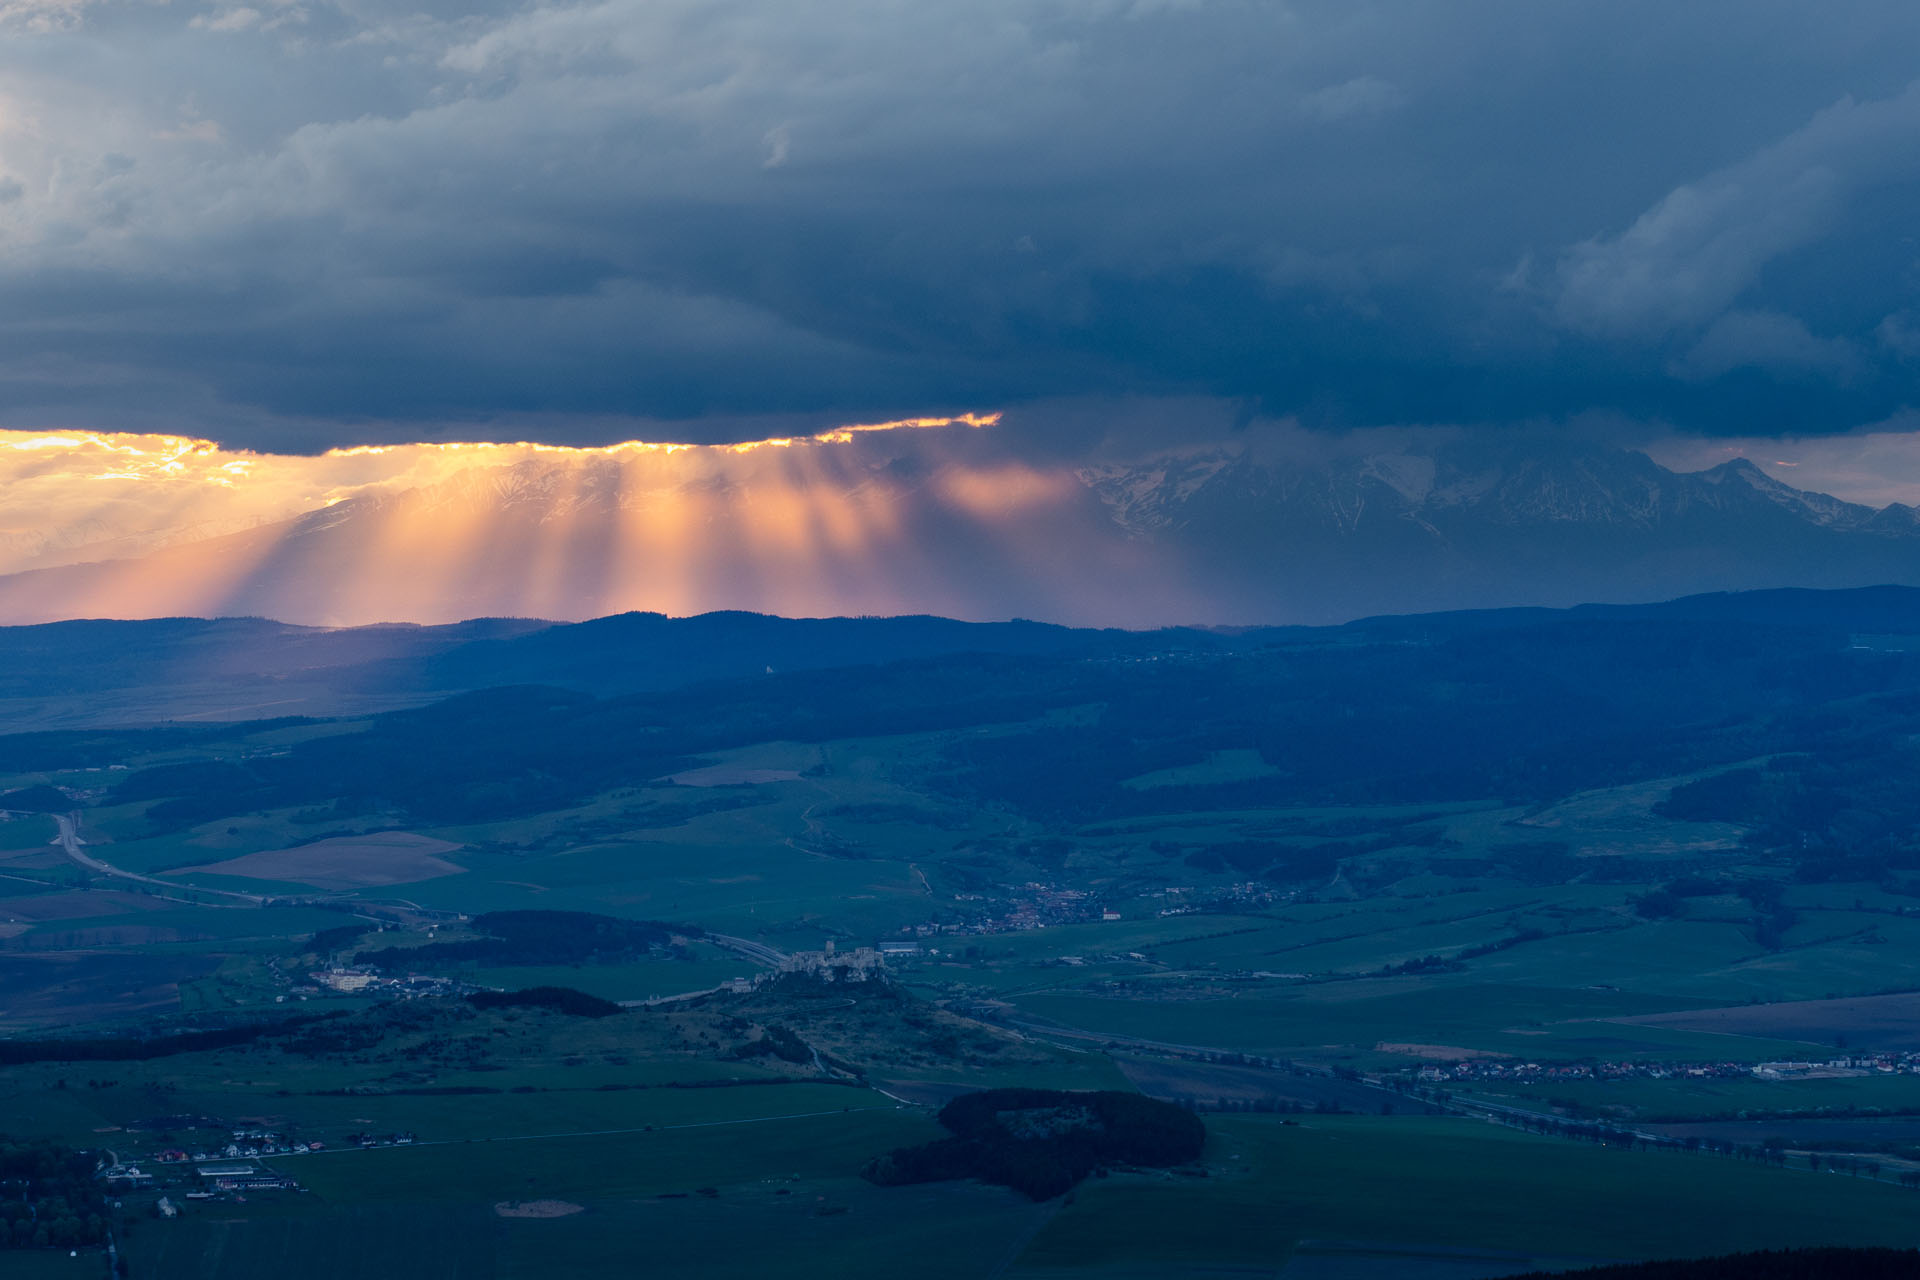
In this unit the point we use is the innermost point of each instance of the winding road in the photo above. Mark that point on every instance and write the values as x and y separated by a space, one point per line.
69 839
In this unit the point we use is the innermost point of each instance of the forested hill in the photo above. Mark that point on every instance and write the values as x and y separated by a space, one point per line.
92 673
1516 707
98 672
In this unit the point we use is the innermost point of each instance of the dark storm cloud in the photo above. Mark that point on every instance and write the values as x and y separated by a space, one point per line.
295 224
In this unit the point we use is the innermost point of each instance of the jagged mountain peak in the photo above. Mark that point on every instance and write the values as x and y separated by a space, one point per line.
1820 508
1504 484
1744 469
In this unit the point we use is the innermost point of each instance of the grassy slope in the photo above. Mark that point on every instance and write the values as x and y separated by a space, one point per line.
1458 1184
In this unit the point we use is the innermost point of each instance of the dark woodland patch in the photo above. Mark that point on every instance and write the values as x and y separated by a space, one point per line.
535 938
565 1000
1042 1142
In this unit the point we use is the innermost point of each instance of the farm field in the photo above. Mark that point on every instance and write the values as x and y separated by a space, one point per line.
1869 1022
1369 1020
44 990
1657 1100
806 1143
823 1229
741 1192
51 1264
312 1241
1075 888
801 1222
548 1077
933 1086
1223 1086
340 862
1450 1184
1892 1134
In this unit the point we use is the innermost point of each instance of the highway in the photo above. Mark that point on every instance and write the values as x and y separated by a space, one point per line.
69 839
758 951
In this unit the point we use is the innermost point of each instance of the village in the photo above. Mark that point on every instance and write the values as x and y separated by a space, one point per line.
346 980
1476 1070
224 1172
1038 905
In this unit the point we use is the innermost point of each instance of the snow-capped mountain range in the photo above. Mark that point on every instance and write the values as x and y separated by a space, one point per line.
1220 535
1603 488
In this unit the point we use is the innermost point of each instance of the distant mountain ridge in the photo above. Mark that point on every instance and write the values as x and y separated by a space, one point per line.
1482 525
103 672
1235 534
193 670
1443 490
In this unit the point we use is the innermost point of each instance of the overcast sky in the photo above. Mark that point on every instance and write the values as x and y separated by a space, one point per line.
294 225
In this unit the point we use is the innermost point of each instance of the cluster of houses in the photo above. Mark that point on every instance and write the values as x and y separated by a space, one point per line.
1496 1069
345 981
1035 905
231 1168
1032 906
1478 1069
1038 905
1852 1064
365 1140
1187 900
247 1144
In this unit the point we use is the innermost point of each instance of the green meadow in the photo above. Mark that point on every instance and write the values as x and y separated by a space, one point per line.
1535 932
1456 1184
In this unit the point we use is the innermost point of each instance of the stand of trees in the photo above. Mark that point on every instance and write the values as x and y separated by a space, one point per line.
565 1000
535 938
132 1049
49 1197
777 1042
1042 1142
40 799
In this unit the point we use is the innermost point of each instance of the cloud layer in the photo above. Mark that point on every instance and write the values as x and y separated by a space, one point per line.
305 223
